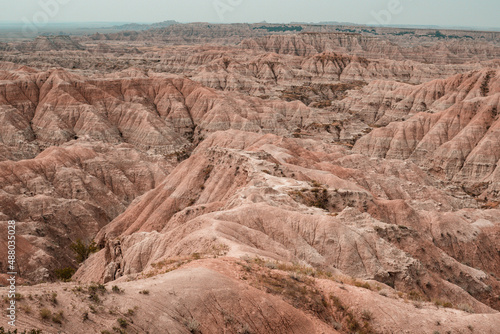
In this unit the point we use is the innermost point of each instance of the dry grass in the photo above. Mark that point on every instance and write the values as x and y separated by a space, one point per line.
192 325
45 313
302 270
444 304
58 317
122 322
296 284
171 264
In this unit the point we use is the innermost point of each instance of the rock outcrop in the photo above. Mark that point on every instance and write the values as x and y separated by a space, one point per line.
269 197
454 137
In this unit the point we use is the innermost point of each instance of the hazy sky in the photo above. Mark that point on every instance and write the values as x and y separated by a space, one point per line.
480 13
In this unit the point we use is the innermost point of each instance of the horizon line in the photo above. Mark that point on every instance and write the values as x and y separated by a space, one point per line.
403 26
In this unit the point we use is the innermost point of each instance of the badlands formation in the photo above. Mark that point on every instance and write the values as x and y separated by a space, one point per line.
253 179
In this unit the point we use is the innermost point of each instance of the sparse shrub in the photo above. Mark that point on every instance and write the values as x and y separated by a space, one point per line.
219 250
465 308
26 309
33 331
207 171
18 297
64 274
352 324
271 265
45 313
414 295
228 319
118 330
192 325
101 288
315 184
247 268
77 289
336 325
58 317
366 315
144 292
364 285
296 277
94 297
53 298
116 289
122 322
85 316
337 303
182 155
94 290
245 329
83 250
302 294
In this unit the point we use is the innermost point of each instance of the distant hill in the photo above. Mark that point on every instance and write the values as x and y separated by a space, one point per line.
138 27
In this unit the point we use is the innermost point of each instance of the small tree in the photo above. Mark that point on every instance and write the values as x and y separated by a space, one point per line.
439 34
83 250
